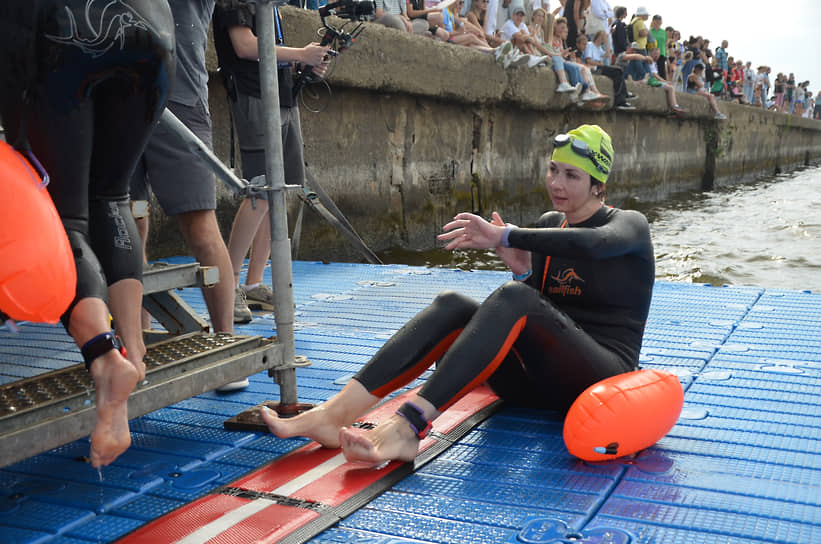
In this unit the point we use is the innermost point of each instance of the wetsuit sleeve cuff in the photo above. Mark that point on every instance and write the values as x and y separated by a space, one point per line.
506 236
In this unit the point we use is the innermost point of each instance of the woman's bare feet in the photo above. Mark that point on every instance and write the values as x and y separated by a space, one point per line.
392 439
322 423
316 424
114 379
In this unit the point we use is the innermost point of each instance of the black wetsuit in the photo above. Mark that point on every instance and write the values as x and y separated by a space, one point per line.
541 342
84 82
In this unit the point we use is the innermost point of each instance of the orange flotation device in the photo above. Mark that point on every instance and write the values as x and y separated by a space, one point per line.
38 277
623 414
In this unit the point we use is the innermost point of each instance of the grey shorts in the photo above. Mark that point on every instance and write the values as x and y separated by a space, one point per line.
181 182
248 116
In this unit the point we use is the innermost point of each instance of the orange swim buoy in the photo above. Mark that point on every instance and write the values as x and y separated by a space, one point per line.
623 414
38 277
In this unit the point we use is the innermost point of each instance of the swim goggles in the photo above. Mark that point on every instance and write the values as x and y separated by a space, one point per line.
581 149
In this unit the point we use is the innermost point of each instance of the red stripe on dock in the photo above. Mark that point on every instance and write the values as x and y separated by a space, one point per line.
311 473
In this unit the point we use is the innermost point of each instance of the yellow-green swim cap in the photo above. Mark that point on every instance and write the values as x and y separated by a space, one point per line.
587 147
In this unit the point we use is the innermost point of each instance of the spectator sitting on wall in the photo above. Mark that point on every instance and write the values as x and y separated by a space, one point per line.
618 31
695 85
592 92
391 13
568 74
574 69
455 26
657 81
594 58
454 12
634 63
432 17
737 92
477 15
817 107
515 31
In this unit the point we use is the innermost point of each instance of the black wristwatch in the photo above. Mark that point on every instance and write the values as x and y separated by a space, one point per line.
416 418
100 344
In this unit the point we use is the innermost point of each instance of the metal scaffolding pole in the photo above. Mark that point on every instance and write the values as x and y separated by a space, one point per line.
275 177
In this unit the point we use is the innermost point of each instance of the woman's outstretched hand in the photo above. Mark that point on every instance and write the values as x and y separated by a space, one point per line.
469 231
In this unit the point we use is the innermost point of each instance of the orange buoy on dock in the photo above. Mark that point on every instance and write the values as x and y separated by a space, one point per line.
38 277
623 414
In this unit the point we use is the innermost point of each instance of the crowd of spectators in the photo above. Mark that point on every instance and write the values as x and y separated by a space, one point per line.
578 38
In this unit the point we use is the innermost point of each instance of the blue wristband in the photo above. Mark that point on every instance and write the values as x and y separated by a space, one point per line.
523 277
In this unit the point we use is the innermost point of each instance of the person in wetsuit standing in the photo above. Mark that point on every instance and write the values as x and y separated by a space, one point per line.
573 315
82 86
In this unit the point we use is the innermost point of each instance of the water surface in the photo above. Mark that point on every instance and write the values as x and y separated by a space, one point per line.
766 233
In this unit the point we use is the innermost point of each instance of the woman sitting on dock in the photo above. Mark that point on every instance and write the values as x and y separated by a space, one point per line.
573 315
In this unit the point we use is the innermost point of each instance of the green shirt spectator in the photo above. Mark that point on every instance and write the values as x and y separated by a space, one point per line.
661 40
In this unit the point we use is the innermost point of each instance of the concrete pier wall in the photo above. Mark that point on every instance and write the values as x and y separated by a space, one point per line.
418 130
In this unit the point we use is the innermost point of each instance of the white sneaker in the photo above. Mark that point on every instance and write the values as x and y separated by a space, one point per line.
565 87
720 116
517 59
535 60
503 51
234 386
589 95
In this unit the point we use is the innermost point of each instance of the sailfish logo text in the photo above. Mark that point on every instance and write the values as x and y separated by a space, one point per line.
115 18
565 279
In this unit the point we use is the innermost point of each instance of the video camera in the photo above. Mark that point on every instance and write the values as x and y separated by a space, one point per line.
337 38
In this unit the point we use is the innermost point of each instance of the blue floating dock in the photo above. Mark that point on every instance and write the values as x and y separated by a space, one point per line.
741 466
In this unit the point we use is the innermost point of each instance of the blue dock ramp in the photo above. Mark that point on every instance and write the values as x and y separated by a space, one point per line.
741 466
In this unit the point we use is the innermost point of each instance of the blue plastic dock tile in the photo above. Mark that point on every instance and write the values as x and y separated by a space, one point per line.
14 535
199 434
162 444
731 501
269 442
105 528
222 407
69 540
492 456
775 460
146 462
660 534
350 536
47 466
574 493
98 498
741 525
250 458
38 516
463 509
425 528
147 507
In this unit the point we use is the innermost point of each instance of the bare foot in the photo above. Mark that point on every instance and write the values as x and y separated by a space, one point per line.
114 379
393 439
316 424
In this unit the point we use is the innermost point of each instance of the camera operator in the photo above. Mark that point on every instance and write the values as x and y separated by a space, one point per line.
238 56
